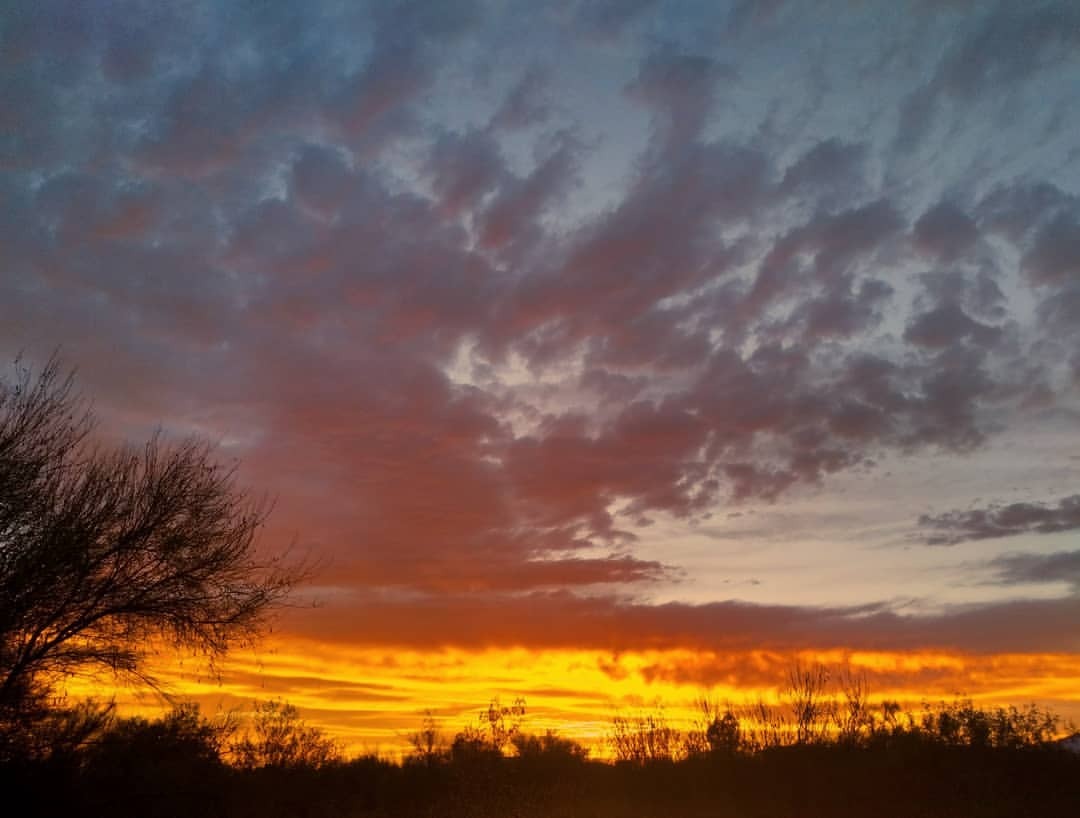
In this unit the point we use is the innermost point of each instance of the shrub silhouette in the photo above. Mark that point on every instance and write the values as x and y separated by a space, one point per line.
57 733
168 766
176 766
279 738
724 735
429 745
493 735
548 747
644 738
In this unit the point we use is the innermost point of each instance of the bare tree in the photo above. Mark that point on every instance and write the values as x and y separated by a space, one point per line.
107 552
280 738
645 738
854 717
811 708
429 744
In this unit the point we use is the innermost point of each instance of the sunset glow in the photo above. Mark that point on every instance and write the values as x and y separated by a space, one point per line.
373 699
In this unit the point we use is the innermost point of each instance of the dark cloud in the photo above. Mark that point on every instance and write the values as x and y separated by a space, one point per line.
560 620
977 293
1013 210
321 179
464 169
1008 520
1054 256
1060 566
681 88
945 231
831 165
494 572
843 314
828 247
946 325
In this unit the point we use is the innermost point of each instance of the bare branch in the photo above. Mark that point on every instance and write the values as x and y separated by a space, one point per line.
105 552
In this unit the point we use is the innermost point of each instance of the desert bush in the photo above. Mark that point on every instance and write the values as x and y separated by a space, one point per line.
279 738
429 745
644 738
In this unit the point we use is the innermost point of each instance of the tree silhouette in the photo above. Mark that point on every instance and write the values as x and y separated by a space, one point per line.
429 746
105 553
279 739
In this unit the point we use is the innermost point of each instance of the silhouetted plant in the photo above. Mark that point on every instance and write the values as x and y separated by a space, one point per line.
105 554
763 726
716 732
279 738
57 731
644 738
806 694
854 718
961 724
183 737
725 735
494 733
170 766
503 722
429 745
549 746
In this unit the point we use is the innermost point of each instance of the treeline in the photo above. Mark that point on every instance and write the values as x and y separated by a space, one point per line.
821 750
822 708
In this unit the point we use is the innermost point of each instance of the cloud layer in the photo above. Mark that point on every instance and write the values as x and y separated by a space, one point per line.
483 292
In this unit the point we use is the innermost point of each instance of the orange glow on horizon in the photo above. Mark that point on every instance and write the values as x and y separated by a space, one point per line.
372 699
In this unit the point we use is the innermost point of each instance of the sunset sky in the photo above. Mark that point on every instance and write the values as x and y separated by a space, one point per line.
594 352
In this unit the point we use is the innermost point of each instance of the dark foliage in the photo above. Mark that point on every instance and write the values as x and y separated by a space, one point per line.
179 766
280 739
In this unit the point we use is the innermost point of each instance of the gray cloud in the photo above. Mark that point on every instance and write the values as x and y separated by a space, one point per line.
527 103
945 231
1008 520
989 56
1060 566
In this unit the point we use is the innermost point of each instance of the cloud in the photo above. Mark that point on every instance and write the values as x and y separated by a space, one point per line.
558 620
681 89
1018 569
946 325
529 102
1054 257
999 50
945 231
497 571
464 169
514 213
830 165
995 521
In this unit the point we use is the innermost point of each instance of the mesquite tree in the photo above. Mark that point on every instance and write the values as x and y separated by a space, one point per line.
107 552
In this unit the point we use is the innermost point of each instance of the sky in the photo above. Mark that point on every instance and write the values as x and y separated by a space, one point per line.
601 353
